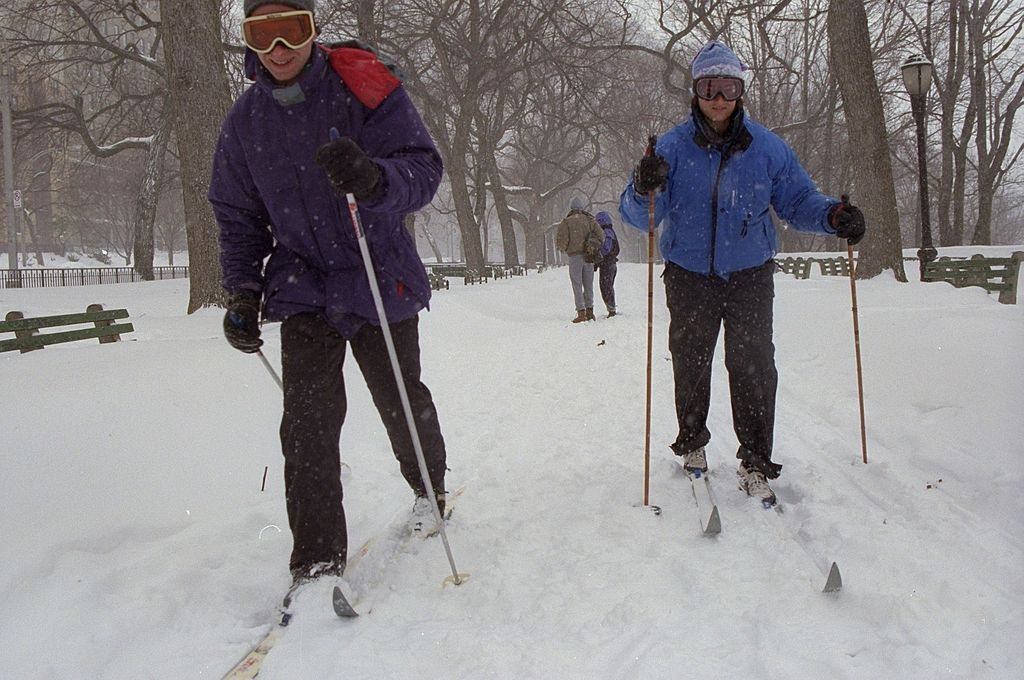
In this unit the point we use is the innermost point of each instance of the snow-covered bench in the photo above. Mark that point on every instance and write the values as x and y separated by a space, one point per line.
27 336
800 267
994 274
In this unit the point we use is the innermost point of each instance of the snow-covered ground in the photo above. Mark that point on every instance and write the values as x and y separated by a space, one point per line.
137 542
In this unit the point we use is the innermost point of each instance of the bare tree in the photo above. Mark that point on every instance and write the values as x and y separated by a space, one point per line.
997 86
94 75
199 100
850 49
144 211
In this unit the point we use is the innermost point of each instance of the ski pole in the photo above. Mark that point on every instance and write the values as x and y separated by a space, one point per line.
856 344
353 209
270 368
651 141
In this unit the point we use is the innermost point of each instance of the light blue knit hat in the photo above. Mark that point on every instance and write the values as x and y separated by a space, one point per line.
715 59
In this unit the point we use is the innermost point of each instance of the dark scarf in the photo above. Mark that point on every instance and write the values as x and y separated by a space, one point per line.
735 138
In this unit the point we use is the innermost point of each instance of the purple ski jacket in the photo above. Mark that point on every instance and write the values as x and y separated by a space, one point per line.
271 198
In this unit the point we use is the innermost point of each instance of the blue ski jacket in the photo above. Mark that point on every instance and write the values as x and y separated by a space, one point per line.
716 200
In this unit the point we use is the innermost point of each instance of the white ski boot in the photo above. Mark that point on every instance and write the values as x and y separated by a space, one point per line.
755 484
696 462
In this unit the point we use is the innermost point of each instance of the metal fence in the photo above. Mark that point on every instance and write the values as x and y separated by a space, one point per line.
81 276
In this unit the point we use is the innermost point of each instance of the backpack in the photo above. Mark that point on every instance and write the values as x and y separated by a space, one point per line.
592 247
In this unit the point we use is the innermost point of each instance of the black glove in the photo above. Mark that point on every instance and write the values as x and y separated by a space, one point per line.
350 170
848 221
651 174
242 321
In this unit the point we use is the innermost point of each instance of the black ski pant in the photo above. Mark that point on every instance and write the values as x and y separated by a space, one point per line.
607 281
312 355
698 306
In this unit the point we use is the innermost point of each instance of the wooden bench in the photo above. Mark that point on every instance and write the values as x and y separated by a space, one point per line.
834 266
997 274
28 338
438 281
474 276
468 276
495 271
800 267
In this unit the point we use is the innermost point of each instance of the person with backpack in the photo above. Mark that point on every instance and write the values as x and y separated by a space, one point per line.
606 266
319 123
579 237
714 180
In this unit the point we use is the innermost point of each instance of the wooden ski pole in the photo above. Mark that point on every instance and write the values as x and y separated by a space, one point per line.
650 327
856 345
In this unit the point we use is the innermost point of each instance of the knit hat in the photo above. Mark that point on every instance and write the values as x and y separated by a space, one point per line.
251 5
715 59
577 203
603 218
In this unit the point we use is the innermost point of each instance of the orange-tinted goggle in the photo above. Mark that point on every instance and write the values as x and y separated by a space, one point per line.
709 88
293 29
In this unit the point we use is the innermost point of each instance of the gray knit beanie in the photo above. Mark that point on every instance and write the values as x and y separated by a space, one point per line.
251 5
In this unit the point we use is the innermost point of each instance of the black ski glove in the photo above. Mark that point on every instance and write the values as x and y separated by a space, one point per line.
650 175
848 222
350 170
242 321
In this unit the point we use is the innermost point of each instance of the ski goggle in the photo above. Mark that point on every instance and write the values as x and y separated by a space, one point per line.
731 89
293 29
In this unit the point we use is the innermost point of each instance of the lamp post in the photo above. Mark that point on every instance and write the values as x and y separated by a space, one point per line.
917 78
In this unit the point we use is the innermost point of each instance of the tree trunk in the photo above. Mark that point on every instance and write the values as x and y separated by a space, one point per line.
144 213
480 204
954 75
29 226
366 23
199 99
508 229
468 228
533 235
432 242
979 95
850 53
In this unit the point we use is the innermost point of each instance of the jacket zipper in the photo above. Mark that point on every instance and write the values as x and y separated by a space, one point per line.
714 211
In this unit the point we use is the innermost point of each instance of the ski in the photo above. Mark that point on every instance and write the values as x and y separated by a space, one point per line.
249 666
799 535
342 607
363 572
707 509
364 569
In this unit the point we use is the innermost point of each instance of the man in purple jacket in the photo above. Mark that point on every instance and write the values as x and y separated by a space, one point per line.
278 190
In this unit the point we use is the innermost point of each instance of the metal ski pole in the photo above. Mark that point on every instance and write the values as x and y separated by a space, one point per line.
353 209
651 141
270 368
856 344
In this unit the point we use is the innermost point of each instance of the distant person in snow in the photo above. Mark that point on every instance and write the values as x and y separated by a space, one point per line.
580 238
278 190
714 178
607 266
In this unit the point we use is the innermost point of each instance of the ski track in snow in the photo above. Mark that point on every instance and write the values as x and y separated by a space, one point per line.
138 542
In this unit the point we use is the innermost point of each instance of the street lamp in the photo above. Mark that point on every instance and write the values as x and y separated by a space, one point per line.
917 78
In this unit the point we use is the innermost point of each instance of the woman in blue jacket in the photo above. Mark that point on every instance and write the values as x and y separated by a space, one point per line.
714 178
